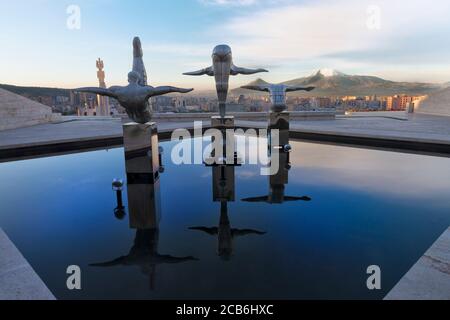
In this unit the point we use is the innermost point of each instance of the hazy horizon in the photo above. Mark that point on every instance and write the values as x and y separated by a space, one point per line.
398 41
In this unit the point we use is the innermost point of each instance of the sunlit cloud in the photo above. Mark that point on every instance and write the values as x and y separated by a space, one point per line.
302 37
229 2
336 34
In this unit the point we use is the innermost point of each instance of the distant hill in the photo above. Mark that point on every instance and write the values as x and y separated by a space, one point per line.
334 83
36 91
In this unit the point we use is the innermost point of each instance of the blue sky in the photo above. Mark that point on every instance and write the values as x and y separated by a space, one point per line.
399 40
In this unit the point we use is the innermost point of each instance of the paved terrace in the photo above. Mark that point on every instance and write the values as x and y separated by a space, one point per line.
429 278
18 280
414 133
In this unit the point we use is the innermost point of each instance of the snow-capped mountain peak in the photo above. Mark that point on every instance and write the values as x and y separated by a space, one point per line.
326 72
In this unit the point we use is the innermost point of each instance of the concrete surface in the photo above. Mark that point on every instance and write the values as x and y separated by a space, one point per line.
425 134
18 280
437 103
71 130
17 111
423 128
429 278
418 127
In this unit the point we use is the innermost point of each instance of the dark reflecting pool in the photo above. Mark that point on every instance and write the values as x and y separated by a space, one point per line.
309 232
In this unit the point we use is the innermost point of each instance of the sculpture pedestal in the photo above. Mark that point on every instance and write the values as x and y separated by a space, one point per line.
142 163
144 205
223 183
219 122
223 124
280 121
141 152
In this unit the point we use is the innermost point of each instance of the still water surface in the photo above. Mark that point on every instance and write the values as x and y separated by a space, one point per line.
342 210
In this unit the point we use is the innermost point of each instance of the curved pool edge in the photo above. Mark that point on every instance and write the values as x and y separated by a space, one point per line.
77 144
18 280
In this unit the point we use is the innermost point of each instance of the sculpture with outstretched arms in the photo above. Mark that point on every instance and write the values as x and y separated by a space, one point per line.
276 196
225 233
134 97
277 93
278 182
221 69
144 254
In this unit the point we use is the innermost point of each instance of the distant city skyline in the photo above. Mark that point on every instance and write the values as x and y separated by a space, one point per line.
396 40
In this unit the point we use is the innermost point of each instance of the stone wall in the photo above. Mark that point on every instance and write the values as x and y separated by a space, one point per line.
17 111
437 103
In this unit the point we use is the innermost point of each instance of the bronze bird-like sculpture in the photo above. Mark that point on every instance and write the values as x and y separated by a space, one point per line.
134 97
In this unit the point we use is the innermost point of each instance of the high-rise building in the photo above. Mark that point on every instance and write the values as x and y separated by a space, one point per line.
393 103
320 102
406 100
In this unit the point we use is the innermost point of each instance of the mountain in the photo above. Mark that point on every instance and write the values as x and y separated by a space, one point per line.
330 82
258 82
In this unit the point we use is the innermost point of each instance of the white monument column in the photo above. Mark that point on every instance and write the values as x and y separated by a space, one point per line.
102 101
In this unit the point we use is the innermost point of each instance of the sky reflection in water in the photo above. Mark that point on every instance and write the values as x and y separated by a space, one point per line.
366 207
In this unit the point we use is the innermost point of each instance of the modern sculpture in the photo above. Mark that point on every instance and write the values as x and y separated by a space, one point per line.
278 181
144 216
225 233
224 191
277 94
279 118
141 136
134 97
144 254
221 69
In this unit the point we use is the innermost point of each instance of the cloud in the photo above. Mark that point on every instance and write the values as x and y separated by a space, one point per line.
336 33
372 171
229 2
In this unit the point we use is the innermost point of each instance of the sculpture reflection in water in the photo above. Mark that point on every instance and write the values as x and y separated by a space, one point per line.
143 186
224 192
279 180
119 211
279 121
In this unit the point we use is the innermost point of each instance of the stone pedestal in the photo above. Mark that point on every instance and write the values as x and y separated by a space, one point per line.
223 170
142 163
223 124
144 205
141 152
226 122
280 121
282 176
223 183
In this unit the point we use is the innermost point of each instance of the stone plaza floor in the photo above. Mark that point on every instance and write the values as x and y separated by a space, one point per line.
419 128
